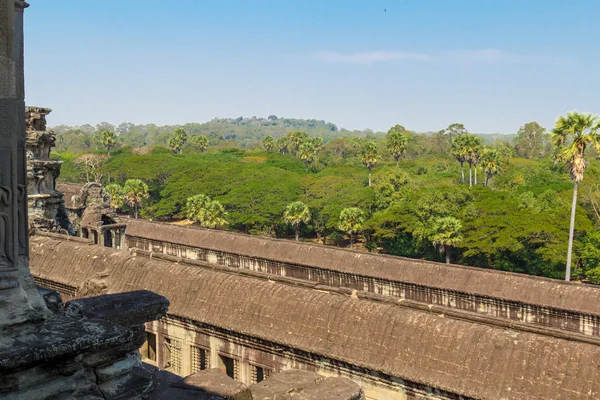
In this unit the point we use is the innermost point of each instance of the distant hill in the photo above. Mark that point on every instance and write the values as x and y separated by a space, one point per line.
222 132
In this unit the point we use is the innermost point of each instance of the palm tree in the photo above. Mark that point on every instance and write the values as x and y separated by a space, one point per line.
199 142
369 156
215 215
571 136
490 162
268 142
115 192
296 139
472 148
307 153
351 222
296 213
397 141
208 213
135 191
282 144
459 151
446 234
108 139
178 140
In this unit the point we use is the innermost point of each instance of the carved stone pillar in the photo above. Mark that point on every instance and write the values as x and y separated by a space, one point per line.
19 299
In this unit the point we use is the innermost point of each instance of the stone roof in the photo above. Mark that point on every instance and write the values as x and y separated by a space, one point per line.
478 281
97 215
460 356
69 190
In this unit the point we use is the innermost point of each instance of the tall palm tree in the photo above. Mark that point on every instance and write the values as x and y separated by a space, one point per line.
295 139
571 136
307 153
268 142
397 141
459 151
208 213
115 191
446 234
490 162
135 191
351 222
471 150
295 214
369 156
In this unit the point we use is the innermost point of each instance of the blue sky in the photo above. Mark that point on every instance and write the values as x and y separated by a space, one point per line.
490 64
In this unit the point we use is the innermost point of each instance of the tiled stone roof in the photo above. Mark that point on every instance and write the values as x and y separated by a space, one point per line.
467 358
507 286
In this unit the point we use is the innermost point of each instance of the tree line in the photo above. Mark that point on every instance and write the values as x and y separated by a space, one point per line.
447 196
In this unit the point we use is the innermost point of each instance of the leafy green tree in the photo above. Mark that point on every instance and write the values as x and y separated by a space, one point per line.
446 234
571 135
357 142
307 153
282 144
134 192
397 141
199 142
455 130
490 162
351 222
117 198
369 156
108 139
268 142
177 140
296 139
295 214
532 141
317 143
208 213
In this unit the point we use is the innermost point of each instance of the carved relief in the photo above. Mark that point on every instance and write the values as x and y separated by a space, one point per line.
6 249
23 230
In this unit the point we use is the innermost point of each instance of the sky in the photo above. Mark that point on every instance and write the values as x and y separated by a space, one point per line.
492 65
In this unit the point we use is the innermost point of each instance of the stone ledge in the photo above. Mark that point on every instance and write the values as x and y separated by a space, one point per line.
126 309
59 337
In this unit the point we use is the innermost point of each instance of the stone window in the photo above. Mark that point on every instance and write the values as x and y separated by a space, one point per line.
85 233
230 366
200 358
172 355
258 374
148 349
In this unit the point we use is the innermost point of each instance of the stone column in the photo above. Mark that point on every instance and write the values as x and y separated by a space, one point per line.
19 299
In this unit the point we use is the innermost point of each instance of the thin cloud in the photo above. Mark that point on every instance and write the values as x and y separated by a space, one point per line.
373 57
370 57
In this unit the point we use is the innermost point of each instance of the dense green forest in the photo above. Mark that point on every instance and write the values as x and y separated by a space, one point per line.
449 195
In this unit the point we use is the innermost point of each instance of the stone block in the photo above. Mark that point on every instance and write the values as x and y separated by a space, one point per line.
127 309
302 385
213 381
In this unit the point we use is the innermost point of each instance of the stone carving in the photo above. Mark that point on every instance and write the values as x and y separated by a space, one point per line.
6 255
46 205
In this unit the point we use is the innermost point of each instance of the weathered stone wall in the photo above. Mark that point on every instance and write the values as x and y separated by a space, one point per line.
583 323
195 341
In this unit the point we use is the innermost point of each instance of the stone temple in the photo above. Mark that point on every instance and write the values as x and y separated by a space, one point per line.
251 317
